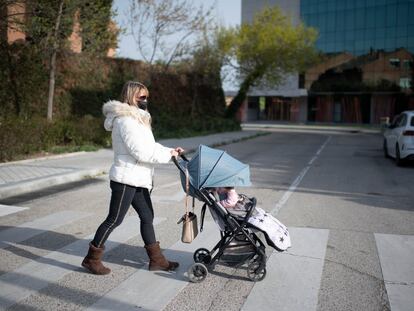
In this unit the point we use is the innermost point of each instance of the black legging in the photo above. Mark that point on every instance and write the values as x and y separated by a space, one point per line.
122 197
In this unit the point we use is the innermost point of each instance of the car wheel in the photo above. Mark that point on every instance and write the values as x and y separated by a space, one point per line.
398 159
386 155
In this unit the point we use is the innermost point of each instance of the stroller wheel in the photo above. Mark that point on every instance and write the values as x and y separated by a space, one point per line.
197 272
256 270
202 255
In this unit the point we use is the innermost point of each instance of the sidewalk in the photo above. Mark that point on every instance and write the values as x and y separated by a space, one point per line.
26 176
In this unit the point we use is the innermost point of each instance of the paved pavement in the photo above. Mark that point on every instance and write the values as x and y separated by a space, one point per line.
26 176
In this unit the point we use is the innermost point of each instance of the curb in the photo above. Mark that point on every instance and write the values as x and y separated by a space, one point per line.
39 184
265 127
49 157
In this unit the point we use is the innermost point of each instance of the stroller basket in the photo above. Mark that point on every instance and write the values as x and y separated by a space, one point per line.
238 251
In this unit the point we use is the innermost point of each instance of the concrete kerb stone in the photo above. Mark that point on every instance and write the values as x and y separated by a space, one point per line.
308 127
49 157
27 186
23 187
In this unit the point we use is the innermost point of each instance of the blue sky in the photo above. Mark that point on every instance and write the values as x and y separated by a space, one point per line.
227 12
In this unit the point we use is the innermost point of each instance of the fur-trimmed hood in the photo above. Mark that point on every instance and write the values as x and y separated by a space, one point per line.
115 109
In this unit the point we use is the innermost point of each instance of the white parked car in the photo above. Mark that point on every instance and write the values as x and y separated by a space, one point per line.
399 138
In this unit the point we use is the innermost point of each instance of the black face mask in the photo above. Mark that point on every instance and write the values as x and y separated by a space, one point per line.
143 104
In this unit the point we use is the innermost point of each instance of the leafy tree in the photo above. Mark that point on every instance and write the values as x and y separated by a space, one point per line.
265 50
48 24
205 67
99 32
11 18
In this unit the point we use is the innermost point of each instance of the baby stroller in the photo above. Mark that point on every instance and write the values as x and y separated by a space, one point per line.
239 244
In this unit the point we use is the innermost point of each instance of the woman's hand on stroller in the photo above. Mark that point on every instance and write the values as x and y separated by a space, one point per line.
179 150
176 152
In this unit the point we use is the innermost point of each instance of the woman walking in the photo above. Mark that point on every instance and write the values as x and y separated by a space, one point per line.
135 152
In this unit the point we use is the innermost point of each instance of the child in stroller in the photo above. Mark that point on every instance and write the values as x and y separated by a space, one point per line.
277 235
208 170
230 196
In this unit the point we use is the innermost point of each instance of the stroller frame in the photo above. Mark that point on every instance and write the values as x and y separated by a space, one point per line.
235 228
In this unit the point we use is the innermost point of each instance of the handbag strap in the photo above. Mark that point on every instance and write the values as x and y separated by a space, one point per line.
187 189
203 213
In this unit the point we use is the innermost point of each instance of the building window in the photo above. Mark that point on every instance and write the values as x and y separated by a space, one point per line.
403 121
405 83
395 62
407 64
301 81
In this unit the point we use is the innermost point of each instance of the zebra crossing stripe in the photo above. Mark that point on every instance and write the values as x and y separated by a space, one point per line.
146 290
293 277
172 198
169 185
33 276
30 229
396 253
9 209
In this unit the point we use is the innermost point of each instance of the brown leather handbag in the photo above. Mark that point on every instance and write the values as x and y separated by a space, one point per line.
189 219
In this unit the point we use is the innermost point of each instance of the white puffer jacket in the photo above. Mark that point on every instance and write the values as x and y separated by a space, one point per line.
135 150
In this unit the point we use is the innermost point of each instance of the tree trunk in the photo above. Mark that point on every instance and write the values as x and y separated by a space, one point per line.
13 82
53 64
241 94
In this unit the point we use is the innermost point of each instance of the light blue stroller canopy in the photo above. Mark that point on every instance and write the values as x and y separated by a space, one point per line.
211 168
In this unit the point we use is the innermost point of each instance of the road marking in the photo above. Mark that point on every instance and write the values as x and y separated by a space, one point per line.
30 229
177 197
298 179
148 290
396 253
33 276
293 277
9 209
167 185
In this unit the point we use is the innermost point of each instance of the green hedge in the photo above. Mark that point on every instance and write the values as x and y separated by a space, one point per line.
20 138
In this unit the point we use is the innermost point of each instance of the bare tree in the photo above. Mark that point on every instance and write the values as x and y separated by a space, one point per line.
164 30
52 70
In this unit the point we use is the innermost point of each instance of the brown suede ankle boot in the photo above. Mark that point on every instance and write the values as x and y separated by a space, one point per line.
157 259
93 262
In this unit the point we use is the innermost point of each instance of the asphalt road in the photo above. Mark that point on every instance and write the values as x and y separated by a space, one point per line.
350 212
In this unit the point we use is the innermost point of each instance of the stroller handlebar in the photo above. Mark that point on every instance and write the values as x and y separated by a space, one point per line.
175 160
251 208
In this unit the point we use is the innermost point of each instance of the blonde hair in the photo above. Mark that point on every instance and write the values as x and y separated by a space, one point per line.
129 90
127 96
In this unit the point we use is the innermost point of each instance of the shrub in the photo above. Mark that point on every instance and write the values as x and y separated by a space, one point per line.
20 137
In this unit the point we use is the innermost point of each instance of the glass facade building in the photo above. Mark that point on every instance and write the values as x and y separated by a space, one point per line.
360 86
357 26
